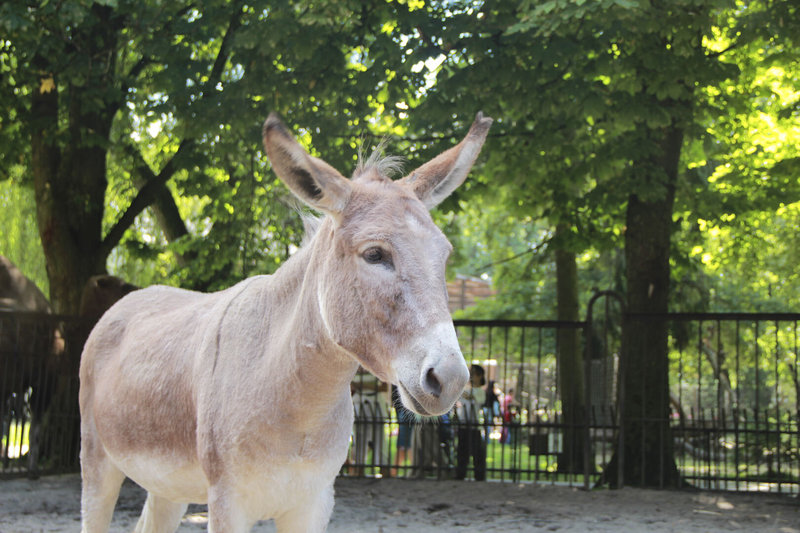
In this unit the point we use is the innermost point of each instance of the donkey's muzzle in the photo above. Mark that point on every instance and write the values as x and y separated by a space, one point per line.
433 373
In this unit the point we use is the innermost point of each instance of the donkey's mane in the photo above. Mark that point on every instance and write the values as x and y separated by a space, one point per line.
377 166
386 166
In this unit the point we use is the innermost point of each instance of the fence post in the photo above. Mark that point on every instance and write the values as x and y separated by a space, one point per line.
587 444
587 384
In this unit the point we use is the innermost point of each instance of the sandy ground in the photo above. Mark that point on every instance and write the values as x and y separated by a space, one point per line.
365 505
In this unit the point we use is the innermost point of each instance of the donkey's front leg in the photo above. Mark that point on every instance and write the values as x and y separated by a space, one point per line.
226 513
308 516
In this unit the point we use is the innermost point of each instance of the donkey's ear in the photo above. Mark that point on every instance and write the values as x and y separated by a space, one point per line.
438 178
311 179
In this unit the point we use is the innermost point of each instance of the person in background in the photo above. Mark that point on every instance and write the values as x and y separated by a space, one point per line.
369 401
492 399
470 439
508 415
491 408
405 419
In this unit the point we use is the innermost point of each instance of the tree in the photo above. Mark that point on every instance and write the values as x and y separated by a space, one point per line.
577 84
608 94
570 360
19 241
113 106
110 101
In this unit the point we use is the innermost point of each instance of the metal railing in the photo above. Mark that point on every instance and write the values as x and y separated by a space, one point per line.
39 419
735 394
734 410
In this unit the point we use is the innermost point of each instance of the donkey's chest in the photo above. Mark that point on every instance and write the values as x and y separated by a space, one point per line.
272 492
290 441
272 475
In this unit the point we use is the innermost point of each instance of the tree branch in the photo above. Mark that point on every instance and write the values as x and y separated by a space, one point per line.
144 61
736 44
533 250
218 68
146 196
149 192
167 212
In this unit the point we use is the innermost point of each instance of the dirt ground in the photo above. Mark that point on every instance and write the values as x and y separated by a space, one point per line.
366 505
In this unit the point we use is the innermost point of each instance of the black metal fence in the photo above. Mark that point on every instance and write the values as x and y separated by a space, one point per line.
734 382
734 405
39 419
520 434
736 400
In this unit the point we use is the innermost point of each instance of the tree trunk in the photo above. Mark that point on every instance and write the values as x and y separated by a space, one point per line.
69 163
69 142
69 183
647 447
570 362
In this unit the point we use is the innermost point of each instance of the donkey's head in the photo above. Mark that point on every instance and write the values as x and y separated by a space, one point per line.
381 263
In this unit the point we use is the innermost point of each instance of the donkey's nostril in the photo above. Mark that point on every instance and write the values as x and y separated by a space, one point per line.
431 383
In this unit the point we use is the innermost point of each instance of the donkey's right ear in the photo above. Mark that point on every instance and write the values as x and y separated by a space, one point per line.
436 179
311 179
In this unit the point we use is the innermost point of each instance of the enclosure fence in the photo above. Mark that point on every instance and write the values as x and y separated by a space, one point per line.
733 412
39 417
732 417
735 396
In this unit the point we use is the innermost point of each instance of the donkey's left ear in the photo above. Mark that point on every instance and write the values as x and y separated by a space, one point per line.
438 178
311 179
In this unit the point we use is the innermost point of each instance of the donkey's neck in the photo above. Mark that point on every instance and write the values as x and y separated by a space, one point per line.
308 354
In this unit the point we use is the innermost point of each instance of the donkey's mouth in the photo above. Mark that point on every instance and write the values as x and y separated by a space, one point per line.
415 405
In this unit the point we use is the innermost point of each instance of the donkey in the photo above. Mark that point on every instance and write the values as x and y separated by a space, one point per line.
240 398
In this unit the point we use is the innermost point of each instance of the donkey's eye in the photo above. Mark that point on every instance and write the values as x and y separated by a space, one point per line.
376 256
